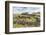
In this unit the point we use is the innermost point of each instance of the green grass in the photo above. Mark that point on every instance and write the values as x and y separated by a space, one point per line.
18 25
32 19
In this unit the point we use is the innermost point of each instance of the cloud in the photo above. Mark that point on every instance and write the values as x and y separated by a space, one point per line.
25 9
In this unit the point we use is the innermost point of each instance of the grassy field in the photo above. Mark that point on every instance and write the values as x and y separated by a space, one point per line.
26 20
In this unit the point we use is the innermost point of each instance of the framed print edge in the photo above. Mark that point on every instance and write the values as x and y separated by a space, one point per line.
7 16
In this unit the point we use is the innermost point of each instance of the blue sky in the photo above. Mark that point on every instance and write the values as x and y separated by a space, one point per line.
25 9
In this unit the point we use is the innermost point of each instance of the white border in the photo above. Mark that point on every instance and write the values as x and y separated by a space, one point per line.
11 29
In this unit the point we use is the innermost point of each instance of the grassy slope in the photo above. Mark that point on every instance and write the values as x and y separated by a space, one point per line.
16 25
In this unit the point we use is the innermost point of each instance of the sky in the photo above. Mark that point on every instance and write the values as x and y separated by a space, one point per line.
25 9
